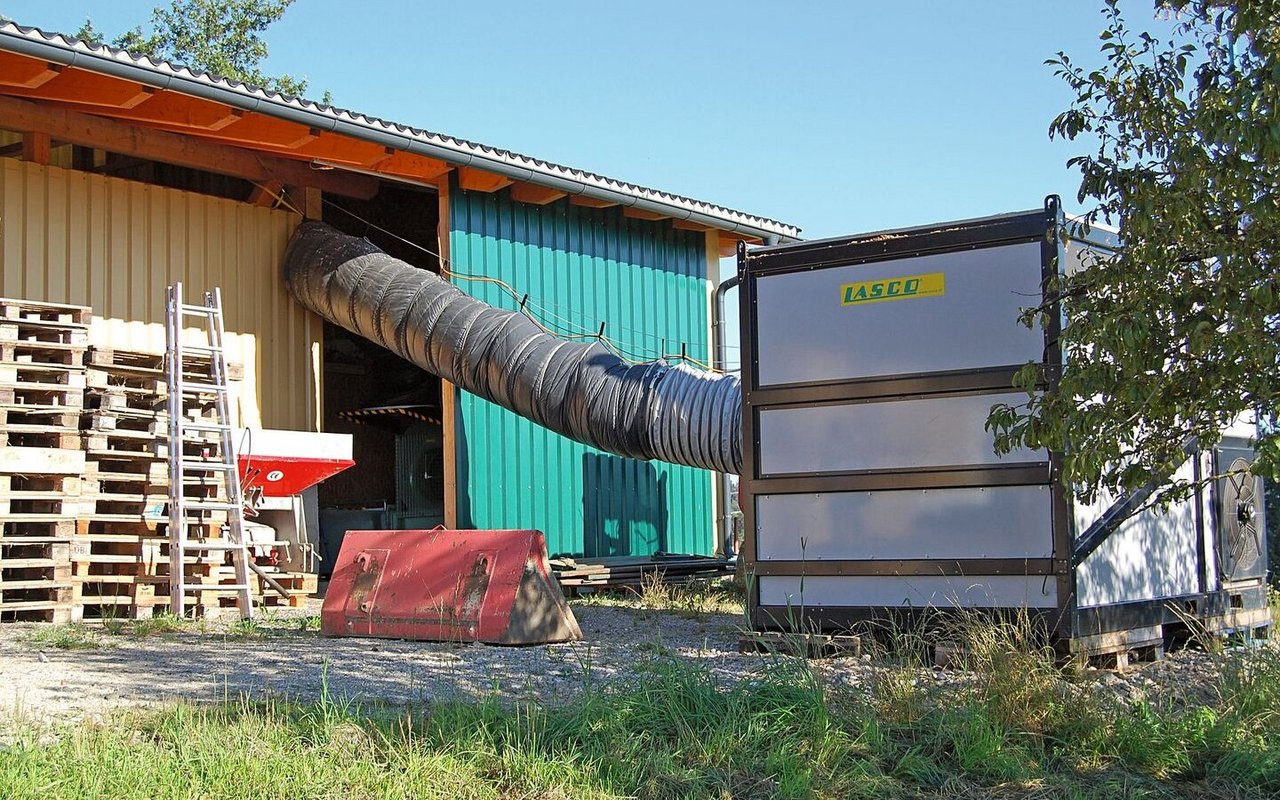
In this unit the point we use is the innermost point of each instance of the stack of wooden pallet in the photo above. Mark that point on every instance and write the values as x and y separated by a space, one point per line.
121 558
616 572
84 479
42 380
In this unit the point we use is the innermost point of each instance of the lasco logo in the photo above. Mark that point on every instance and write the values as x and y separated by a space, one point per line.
904 288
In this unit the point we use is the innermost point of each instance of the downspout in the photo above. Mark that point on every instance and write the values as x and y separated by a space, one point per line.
720 358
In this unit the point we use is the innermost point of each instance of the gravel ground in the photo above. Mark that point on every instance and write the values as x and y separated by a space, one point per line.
288 656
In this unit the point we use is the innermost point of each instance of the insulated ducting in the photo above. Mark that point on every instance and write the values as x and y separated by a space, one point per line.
654 410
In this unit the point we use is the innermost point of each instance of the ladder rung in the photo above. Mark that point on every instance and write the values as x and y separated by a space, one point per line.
192 544
202 388
200 348
209 505
206 426
215 587
206 466
194 310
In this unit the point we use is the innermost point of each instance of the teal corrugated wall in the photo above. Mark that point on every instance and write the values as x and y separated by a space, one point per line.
580 267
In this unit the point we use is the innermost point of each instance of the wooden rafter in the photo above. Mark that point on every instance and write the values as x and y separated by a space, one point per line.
534 194
36 146
336 148
590 202
84 88
27 73
640 213
266 194
171 110
729 243
477 180
262 132
412 166
119 137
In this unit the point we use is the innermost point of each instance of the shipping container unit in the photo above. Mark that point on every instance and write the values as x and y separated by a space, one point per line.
871 488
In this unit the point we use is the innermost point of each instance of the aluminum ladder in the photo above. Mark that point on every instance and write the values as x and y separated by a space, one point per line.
187 468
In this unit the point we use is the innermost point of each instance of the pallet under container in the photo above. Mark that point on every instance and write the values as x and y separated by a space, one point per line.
871 490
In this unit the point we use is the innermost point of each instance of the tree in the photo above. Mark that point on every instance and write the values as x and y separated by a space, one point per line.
1180 332
223 37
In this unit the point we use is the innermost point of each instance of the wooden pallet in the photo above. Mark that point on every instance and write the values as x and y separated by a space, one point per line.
40 526
119 401
632 571
151 365
57 612
41 394
35 550
130 598
20 351
52 504
70 485
54 416
40 461
37 310
810 645
40 373
47 436
124 444
33 331
55 592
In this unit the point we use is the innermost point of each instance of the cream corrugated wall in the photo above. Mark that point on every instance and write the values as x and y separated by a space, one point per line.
74 237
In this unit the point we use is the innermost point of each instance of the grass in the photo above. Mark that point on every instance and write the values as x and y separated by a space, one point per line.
157 624
1016 726
692 599
86 636
68 636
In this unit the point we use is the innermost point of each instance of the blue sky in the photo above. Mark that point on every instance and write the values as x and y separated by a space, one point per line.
839 117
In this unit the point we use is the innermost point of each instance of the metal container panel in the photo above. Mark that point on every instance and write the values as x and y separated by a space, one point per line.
985 522
580 267
68 236
805 332
979 591
919 433
1151 556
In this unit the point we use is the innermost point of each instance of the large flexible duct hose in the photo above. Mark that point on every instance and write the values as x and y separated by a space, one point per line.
654 410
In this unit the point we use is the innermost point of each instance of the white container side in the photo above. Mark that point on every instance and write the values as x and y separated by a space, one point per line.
986 522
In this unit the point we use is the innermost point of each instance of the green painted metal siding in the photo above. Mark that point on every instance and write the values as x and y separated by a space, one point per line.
580 267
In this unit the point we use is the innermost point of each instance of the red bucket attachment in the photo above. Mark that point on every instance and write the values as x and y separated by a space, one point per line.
447 586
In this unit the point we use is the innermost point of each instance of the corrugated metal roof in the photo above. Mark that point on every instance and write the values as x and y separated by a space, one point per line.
60 49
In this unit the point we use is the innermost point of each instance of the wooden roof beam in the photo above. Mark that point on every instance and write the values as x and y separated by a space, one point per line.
590 202
84 88
266 194
36 147
265 133
334 147
729 243
130 140
477 180
640 213
26 73
534 194
412 166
